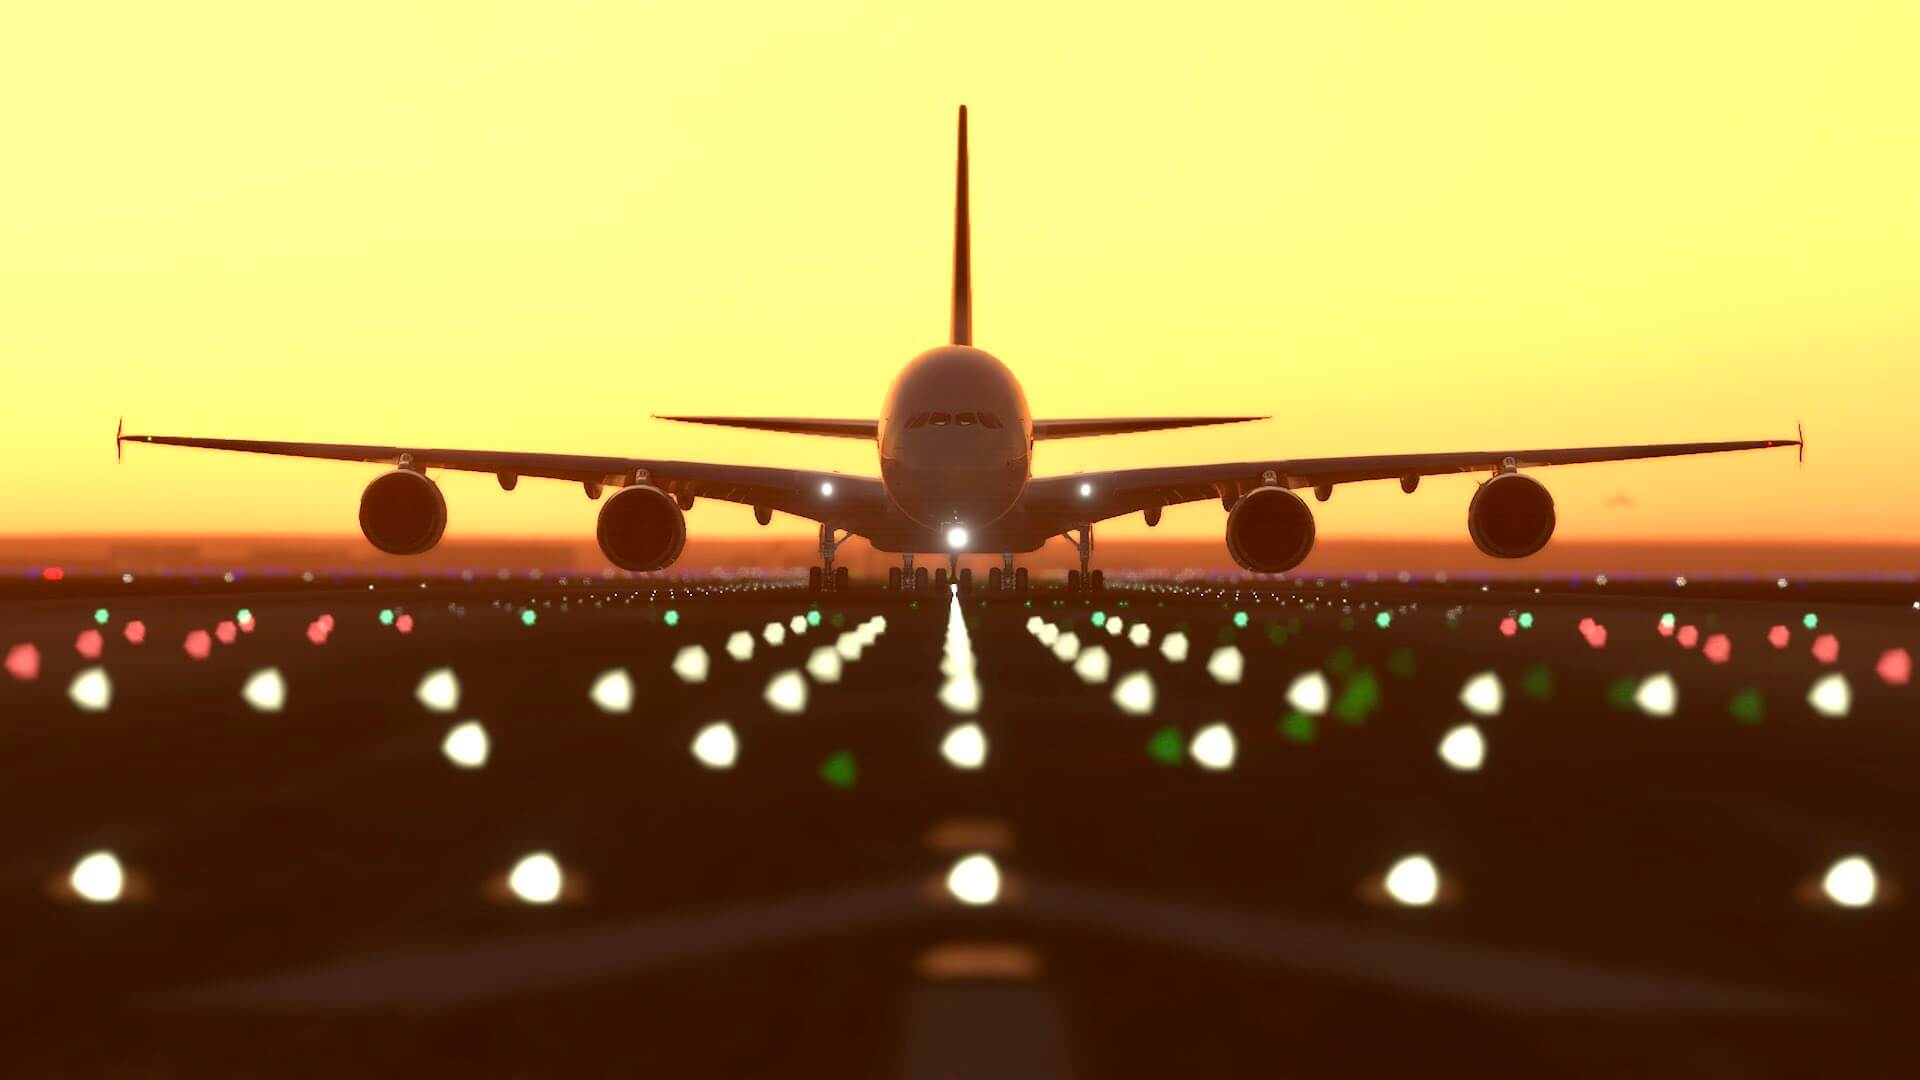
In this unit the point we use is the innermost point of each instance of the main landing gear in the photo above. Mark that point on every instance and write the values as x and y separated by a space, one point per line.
827 576
908 578
1084 580
1004 578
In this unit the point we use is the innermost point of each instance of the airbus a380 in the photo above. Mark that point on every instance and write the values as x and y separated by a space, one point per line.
956 439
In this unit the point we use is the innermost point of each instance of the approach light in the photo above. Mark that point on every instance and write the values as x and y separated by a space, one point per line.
956 538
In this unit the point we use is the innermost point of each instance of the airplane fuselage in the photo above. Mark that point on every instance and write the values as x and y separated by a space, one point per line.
955 439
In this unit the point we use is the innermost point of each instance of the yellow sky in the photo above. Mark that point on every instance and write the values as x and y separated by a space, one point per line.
1396 226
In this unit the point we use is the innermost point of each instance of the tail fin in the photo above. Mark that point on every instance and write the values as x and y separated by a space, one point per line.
962 246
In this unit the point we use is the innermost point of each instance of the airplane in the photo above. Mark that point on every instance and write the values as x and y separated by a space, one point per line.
956 446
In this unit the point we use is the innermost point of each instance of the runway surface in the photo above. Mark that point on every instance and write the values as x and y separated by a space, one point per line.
1191 832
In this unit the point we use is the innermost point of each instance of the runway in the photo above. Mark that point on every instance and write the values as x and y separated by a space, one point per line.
1193 793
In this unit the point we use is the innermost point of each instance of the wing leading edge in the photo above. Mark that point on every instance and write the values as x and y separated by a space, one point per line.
1085 497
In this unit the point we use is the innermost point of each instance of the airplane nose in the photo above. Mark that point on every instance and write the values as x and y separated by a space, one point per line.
942 492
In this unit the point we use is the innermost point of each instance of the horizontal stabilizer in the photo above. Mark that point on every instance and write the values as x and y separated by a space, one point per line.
793 425
1126 425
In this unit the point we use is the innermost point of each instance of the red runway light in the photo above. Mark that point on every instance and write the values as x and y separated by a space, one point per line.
53 573
88 644
1826 648
226 632
23 662
136 632
199 644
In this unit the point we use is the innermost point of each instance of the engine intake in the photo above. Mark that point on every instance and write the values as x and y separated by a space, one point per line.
641 528
403 513
1510 517
1270 530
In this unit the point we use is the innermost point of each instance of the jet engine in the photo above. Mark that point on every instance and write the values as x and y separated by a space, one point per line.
1510 517
642 528
1269 530
403 513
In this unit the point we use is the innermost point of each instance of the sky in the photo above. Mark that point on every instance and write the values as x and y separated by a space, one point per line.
1396 227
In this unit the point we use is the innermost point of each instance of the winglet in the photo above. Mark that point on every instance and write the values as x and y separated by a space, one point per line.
119 435
1800 435
962 245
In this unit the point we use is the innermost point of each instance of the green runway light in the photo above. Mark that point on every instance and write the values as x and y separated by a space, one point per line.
1810 620
526 617
1620 694
673 617
1099 619
1298 727
1400 665
1538 682
1453 621
1361 696
1240 620
1526 620
386 616
1166 746
1667 620
1747 706
1276 633
1340 662
100 616
839 770
838 620
813 617
1383 620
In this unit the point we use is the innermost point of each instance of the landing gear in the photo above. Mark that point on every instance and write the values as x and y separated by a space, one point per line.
1020 581
826 575
1094 581
1007 578
966 582
894 577
939 580
994 583
920 579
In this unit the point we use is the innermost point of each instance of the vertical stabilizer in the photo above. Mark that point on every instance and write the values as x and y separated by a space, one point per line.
962 246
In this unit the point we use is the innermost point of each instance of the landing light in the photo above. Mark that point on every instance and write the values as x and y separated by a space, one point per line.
826 488
1086 490
956 538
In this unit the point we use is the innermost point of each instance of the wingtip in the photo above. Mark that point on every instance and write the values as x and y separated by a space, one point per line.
119 436
1800 440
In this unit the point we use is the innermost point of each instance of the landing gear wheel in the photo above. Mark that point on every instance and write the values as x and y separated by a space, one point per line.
840 577
813 578
893 579
920 579
1097 581
940 580
1073 581
1020 581
966 581
994 582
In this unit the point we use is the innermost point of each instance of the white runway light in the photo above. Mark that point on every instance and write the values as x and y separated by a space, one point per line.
797 624
98 878
1227 665
613 691
1413 881
439 690
1134 694
961 694
536 879
824 664
1308 693
774 634
1483 695
849 645
466 745
787 692
691 663
975 880
1174 647
1831 696
1092 666
1657 695
716 746
740 646
1213 747
91 690
265 690
1851 882
965 746
1463 748
1066 647
1115 625
1139 635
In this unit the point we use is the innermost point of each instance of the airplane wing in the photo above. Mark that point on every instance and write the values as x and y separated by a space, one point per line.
793 425
1126 425
1096 496
802 492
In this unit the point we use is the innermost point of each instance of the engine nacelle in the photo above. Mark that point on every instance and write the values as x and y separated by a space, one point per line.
403 513
1269 530
641 528
1510 517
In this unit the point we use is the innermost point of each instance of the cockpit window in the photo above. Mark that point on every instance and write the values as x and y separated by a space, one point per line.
964 419
989 420
940 419
917 420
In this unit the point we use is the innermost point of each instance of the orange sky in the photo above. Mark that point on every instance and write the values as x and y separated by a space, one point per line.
1396 226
